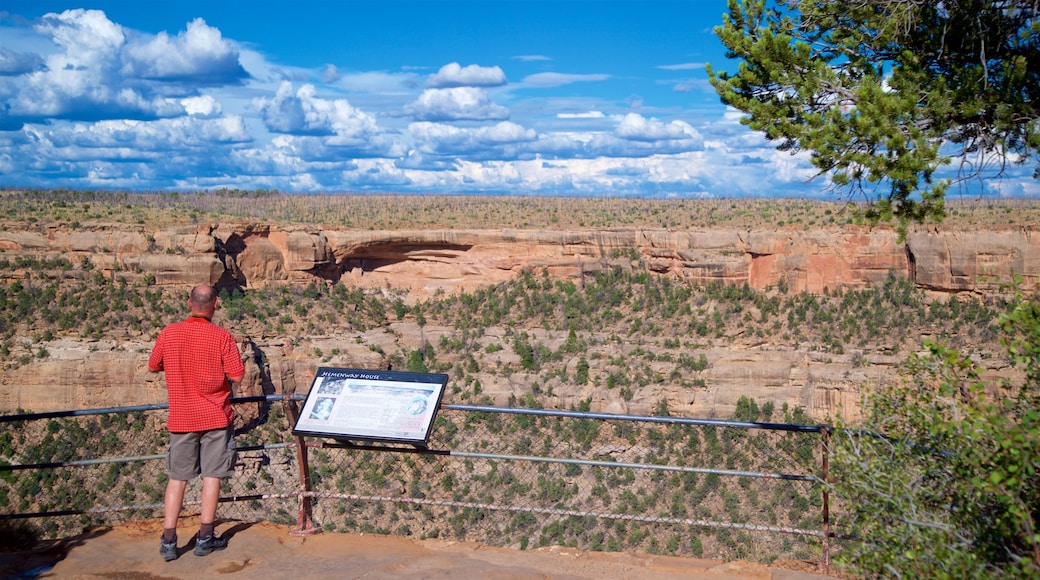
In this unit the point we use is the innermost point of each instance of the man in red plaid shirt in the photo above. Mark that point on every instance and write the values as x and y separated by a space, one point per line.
201 362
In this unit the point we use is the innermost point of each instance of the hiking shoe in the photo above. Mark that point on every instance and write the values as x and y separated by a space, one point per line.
211 543
168 551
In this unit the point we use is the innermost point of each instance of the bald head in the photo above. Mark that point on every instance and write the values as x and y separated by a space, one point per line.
203 301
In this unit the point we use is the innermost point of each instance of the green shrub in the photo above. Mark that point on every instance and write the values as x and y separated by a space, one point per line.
950 489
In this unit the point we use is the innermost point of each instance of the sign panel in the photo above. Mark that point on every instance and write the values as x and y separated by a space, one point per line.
371 405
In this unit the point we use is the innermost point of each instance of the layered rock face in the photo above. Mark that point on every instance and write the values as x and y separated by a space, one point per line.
427 261
87 374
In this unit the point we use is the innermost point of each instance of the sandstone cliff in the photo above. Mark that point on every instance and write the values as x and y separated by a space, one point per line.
427 261
84 373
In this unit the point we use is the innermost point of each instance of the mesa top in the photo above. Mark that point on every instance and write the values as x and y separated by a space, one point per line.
197 356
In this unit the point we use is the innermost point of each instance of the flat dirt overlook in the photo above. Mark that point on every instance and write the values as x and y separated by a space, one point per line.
419 248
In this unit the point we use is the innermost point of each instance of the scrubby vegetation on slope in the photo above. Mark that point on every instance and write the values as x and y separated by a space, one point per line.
392 212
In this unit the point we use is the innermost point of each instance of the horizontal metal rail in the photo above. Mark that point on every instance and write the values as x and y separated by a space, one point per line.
130 409
567 512
567 461
648 466
144 506
464 408
640 418
130 459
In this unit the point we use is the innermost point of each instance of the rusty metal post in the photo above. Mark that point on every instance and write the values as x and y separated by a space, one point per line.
826 438
304 520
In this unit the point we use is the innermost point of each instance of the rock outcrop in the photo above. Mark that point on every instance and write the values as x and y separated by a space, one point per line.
425 261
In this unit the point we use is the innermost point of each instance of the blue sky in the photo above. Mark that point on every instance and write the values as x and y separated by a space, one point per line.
587 98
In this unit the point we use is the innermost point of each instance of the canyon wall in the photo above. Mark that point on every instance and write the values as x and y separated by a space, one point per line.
427 261
91 373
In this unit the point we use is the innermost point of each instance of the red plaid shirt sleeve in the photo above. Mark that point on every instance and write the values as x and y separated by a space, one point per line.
197 356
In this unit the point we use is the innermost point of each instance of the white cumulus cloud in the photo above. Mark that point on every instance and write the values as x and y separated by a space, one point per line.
158 137
89 38
102 71
459 103
202 106
636 127
81 71
199 53
303 113
441 138
455 75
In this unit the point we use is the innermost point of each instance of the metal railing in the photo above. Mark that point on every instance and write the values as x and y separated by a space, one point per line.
501 476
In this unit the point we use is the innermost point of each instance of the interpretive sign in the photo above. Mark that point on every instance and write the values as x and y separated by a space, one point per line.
371 405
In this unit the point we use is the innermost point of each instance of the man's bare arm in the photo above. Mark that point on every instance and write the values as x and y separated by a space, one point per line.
234 382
